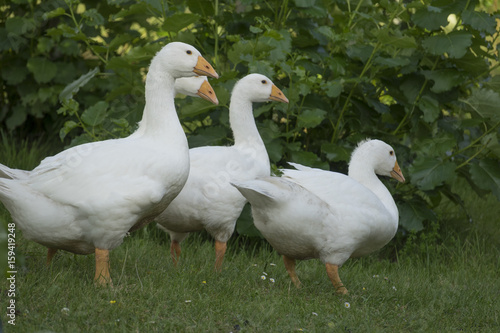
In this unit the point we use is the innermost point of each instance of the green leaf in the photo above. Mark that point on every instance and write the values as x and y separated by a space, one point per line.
430 108
412 215
274 150
444 79
71 89
43 69
68 126
486 103
455 44
205 8
305 3
17 118
262 67
54 13
471 63
327 32
208 136
492 143
494 83
255 30
179 21
391 62
438 145
120 40
307 158
45 44
360 51
396 39
429 172
92 17
335 152
19 25
430 18
135 9
280 41
14 74
480 21
310 118
157 5
123 123
95 114
196 107
486 175
334 88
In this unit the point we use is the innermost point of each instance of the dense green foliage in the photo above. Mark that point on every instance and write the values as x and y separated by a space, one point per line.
419 75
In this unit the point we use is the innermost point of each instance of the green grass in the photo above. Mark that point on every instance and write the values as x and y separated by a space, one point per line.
443 280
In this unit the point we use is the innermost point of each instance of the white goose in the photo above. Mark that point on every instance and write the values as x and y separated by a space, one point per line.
86 198
312 213
197 86
208 201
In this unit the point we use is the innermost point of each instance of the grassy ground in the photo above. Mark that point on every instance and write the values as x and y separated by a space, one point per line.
444 280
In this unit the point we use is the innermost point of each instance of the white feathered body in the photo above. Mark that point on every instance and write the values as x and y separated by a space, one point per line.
312 213
92 195
208 201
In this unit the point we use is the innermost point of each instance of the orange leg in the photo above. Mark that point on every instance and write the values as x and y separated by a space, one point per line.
220 251
102 276
50 254
290 268
175 251
333 274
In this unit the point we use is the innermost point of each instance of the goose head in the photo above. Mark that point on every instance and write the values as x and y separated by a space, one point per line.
378 155
196 86
259 88
183 60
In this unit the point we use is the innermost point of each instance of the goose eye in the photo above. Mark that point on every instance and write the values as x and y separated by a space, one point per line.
263 81
391 152
189 52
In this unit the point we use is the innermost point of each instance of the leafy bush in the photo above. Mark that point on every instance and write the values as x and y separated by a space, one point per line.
419 75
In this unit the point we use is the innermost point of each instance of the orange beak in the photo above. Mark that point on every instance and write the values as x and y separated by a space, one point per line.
397 174
206 92
203 68
277 95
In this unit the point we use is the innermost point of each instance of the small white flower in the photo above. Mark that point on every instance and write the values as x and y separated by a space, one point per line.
272 280
264 273
394 287
272 264
263 277
375 276
254 265
315 314
188 301
65 311
347 305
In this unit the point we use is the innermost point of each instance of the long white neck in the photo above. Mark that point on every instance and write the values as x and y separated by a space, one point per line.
242 120
363 172
160 118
